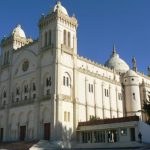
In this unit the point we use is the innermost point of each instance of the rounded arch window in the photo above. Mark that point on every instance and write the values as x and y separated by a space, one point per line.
4 94
25 88
66 80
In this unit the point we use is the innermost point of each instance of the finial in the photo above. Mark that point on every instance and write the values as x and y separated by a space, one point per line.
74 15
114 49
42 15
58 2
18 25
148 69
134 64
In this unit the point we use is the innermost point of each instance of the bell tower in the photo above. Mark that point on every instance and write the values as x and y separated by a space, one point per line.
57 34
58 30
16 40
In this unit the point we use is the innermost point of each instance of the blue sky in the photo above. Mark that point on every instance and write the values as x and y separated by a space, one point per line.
102 23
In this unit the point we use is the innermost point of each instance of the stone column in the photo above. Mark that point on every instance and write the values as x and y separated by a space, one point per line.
37 101
86 101
18 126
117 102
103 107
6 127
37 118
56 111
95 98
110 101
75 99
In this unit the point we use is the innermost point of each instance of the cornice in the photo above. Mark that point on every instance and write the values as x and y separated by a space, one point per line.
97 65
98 76
145 85
143 75
58 15
25 46
9 40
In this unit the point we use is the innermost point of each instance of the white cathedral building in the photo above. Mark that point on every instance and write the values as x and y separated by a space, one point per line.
46 88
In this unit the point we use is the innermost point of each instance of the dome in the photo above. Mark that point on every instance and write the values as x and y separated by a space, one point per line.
115 62
130 73
59 7
18 31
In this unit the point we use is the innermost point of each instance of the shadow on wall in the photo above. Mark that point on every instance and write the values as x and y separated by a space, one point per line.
64 135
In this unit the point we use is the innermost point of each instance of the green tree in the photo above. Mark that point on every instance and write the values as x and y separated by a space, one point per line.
92 118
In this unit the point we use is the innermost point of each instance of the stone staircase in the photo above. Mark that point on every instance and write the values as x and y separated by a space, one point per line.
45 145
16 145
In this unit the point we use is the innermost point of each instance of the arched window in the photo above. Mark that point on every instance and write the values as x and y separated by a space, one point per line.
91 89
47 84
33 86
45 39
7 56
67 80
4 58
17 91
68 39
64 37
33 90
65 116
48 81
26 88
50 37
4 94
64 80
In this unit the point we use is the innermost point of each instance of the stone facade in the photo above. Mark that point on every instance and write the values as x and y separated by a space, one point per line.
47 88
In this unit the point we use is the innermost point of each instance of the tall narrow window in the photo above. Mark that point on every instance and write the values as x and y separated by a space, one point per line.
68 39
34 87
50 37
7 57
4 94
107 93
45 39
134 96
26 89
67 81
48 81
64 80
92 88
64 37
65 116
17 91
68 116
89 88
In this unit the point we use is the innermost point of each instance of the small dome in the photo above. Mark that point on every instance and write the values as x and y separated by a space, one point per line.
59 7
18 31
130 73
115 62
